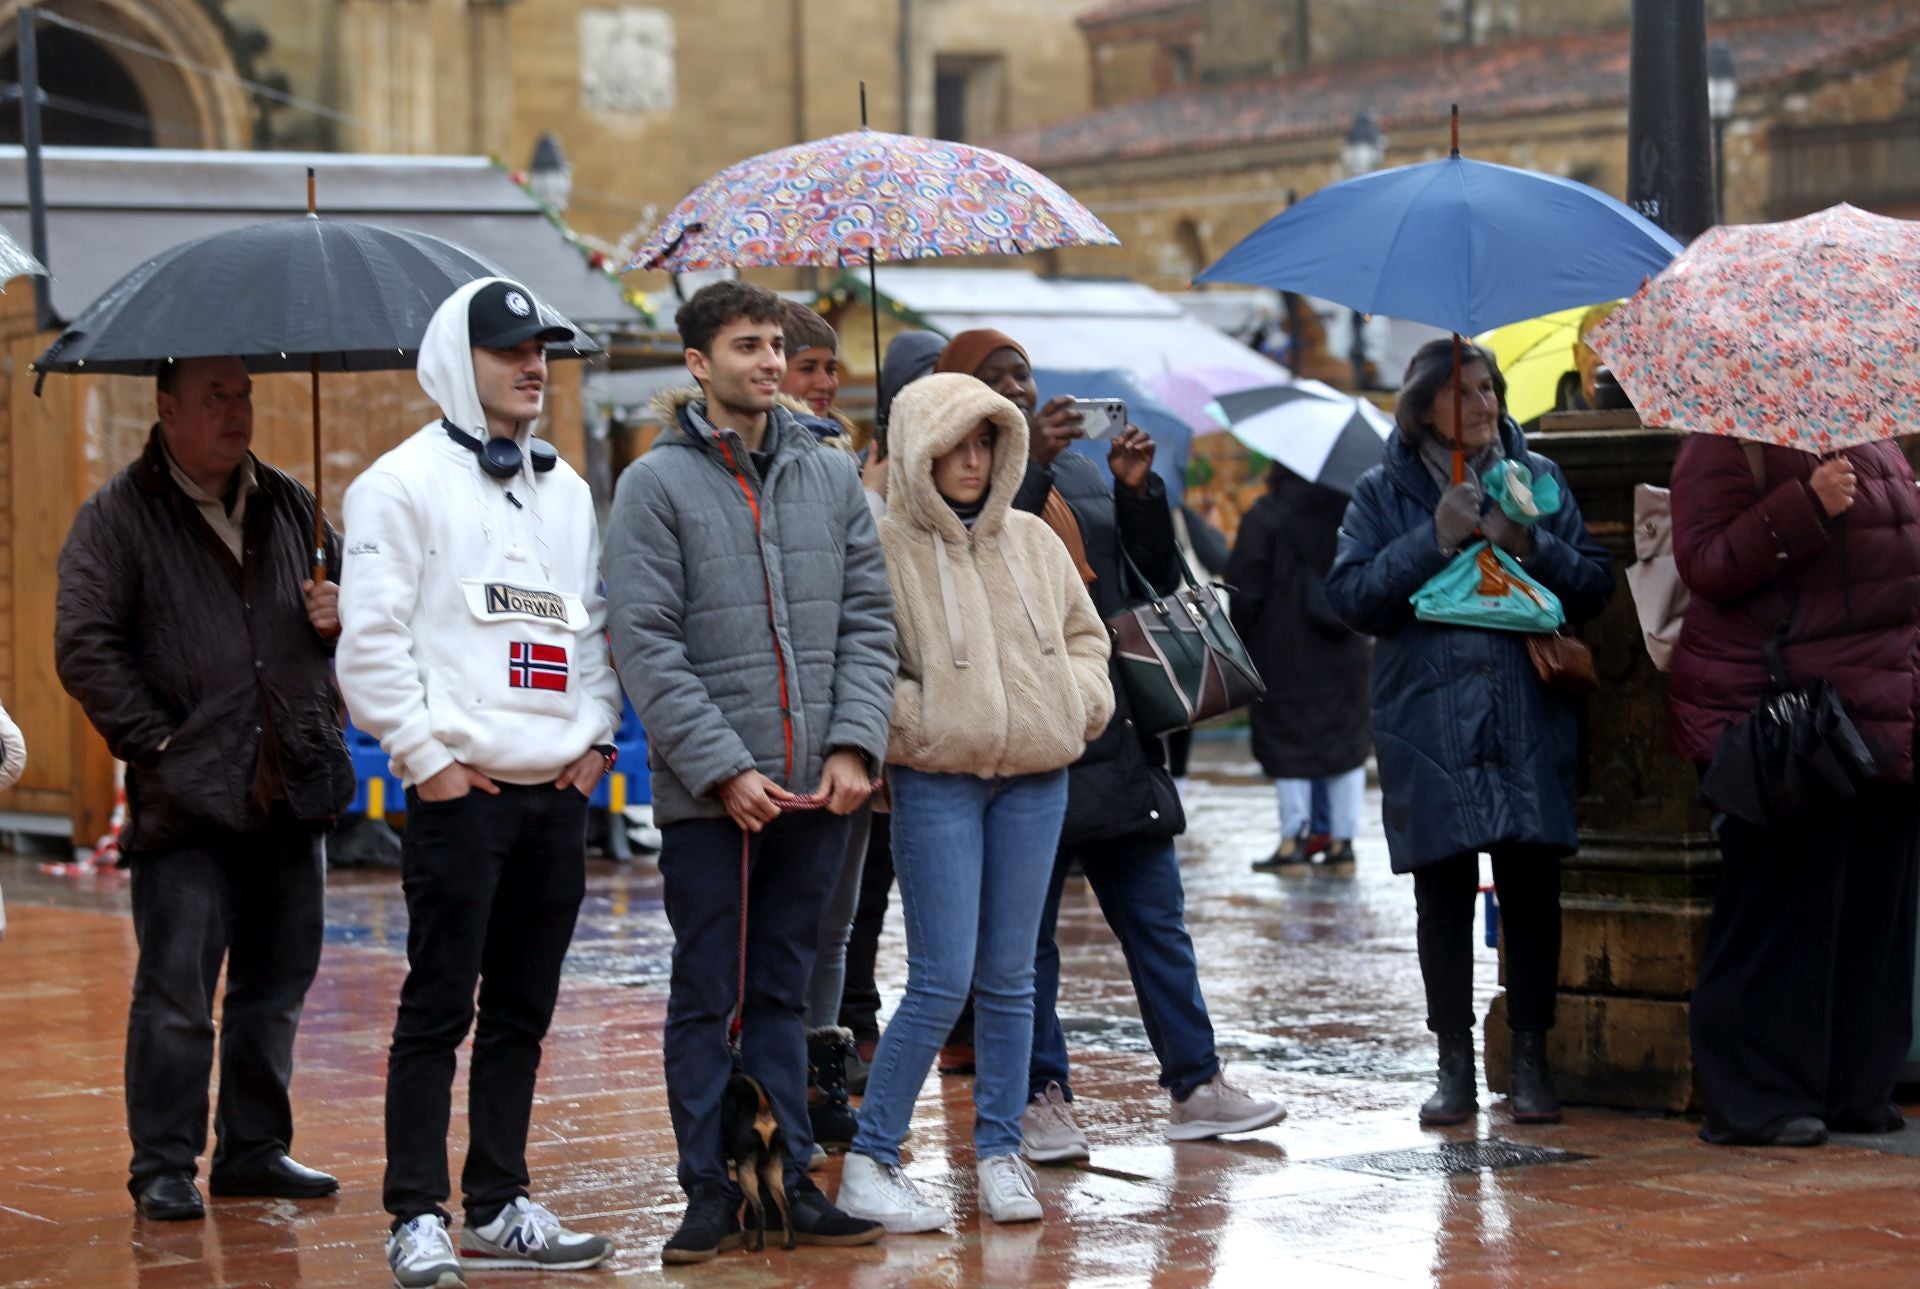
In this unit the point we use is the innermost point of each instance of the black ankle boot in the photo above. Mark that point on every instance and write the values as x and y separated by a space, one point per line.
1456 1098
834 1122
1529 1087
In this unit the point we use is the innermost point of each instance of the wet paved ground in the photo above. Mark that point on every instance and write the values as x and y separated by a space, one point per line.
1315 995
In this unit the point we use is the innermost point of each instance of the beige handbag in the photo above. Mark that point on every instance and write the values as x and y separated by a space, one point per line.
1659 596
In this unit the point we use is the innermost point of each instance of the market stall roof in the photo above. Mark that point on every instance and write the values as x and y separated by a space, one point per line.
109 210
1068 325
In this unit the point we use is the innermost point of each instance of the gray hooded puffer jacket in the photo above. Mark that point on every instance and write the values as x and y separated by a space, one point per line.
750 617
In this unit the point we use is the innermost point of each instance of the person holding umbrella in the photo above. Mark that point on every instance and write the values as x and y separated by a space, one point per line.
474 648
1310 728
188 571
1476 753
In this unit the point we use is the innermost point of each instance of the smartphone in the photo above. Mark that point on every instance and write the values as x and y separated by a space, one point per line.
1101 417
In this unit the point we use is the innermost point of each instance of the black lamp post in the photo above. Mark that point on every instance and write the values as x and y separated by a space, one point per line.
549 175
1361 152
1723 88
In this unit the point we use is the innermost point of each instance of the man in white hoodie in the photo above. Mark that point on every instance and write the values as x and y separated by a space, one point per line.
473 646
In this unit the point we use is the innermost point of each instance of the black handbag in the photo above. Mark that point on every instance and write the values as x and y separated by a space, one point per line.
1178 655
1795 752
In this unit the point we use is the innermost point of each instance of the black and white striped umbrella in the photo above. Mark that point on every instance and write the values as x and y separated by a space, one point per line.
1314 430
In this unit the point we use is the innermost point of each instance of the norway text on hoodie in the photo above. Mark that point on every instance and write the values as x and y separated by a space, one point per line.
472 624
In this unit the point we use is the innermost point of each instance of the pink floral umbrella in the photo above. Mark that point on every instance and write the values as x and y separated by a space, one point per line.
867 195
1804 334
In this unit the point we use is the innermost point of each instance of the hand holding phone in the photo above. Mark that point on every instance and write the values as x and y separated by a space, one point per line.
1101 417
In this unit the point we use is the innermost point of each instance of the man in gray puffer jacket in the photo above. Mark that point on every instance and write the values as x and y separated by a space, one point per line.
753 629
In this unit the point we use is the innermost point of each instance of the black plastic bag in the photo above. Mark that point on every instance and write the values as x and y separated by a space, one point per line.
1793 754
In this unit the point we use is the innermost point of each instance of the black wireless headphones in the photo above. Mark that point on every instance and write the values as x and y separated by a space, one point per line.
501 457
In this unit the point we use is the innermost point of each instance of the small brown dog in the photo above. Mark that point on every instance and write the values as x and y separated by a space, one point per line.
756 1147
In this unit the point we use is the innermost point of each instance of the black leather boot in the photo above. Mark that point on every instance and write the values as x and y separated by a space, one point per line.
1456 1099
828 1109
1529 1087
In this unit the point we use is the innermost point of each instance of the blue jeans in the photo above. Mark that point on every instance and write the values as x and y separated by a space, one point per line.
970 855
1329 806
1137 881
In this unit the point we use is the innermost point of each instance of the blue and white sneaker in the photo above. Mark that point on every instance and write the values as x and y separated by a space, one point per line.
421 1255
526 1235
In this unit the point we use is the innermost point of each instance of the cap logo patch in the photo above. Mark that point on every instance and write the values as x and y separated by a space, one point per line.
517 304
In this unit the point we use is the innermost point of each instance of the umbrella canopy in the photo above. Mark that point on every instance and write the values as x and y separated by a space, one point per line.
1190 392
16 261
1465 245
868 195
1804 333
1322 435
281 295
1533 356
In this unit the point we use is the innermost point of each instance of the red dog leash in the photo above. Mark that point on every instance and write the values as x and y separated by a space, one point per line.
787 801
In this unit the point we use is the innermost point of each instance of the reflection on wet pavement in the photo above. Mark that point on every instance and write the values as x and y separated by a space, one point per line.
1315 995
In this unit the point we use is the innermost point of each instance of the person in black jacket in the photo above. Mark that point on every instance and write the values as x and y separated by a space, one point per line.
1122 809
1310 729
190 630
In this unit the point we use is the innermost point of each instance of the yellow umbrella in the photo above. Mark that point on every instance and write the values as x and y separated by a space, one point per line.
1536 356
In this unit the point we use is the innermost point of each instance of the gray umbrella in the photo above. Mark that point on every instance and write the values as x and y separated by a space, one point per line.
305 294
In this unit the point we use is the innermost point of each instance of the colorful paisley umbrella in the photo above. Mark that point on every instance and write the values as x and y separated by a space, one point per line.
1804 334
867 196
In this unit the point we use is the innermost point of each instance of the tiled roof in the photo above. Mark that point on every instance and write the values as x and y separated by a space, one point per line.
1525 77
1128 10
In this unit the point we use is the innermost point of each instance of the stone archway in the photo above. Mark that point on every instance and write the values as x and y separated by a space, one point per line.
186 107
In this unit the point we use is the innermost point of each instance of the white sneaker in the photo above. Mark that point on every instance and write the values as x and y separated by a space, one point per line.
1218 1107
881 1193
421 1255
1006 1189
527 1235
1048 1132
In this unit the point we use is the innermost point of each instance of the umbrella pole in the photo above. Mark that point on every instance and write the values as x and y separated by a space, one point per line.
1459 449
873 309
313 374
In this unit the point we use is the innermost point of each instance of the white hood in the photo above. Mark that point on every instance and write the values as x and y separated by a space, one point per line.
446 360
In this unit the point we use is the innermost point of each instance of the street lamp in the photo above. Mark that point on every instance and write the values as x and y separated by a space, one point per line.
1361 152
550 177
1723 88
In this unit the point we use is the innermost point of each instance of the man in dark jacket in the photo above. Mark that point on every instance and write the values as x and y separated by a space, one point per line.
753 629
189 629
1122 809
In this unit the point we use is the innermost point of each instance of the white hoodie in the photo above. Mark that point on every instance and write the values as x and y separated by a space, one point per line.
472 629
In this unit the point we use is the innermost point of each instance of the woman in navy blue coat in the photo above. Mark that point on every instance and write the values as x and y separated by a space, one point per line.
1476 753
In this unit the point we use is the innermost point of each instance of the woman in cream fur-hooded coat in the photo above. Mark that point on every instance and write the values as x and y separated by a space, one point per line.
1003 661
1002 681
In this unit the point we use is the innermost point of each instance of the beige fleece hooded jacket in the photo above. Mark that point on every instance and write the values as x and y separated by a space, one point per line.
1003 661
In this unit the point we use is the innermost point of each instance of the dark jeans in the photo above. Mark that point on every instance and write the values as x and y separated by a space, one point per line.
1804 1001
256 899
860 995
791 869
493 885
1528 881
1137 881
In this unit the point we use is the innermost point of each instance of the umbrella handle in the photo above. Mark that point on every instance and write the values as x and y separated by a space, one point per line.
1459 449
319 509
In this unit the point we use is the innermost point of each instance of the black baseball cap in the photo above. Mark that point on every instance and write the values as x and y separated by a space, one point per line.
505 315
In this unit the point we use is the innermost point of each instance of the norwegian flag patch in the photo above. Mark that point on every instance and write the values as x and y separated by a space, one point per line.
536 666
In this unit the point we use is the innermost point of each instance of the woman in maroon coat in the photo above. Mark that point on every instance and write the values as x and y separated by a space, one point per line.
1802 1013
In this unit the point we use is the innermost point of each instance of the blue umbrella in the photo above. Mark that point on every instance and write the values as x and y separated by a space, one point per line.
1171 435
1460 244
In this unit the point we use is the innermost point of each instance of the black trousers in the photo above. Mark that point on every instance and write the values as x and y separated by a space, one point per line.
791 870
1804 1002
1528 881
493 885
257 900
860 996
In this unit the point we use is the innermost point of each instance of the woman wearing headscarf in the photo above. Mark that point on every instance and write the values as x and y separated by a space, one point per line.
1476 752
